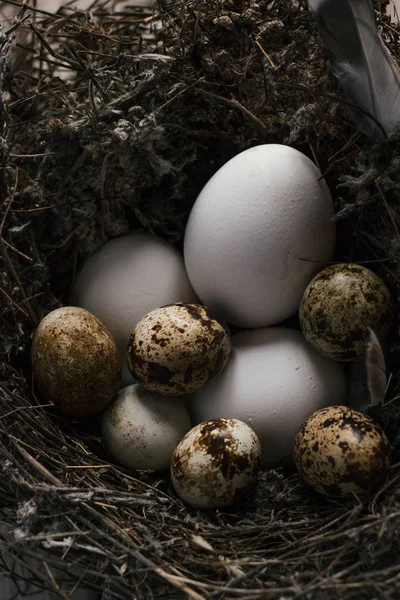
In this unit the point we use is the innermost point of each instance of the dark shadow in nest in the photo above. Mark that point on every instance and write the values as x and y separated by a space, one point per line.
148 104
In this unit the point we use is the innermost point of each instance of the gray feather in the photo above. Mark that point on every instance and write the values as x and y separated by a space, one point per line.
376 370
361 61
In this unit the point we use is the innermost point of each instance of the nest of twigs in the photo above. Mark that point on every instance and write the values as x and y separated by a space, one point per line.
113 120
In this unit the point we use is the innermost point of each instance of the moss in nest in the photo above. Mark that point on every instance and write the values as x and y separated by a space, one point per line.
116 119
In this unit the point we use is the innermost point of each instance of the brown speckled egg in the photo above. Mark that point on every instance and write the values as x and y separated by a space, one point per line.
338 307
178 348
75 361
216 463
339 452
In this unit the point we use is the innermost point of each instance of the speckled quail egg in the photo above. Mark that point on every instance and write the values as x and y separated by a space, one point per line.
216 463
178 348
338 307
141 429
75 361
339 452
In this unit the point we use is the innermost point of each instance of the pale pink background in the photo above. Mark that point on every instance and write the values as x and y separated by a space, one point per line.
52 5
395 7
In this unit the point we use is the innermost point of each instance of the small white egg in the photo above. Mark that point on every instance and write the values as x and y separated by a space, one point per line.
141 429
273 381
216 463
127 278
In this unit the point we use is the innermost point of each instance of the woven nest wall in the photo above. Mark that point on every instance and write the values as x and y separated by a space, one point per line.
113 120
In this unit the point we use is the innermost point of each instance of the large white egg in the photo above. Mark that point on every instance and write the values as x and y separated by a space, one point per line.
126 279
273 381
258 232
141 429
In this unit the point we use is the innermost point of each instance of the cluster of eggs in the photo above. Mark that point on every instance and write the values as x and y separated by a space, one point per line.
256 247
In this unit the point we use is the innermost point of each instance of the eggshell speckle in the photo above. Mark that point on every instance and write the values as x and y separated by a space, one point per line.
340 452
339 306
216 463
127 278
140 429
178 348
273 381
75 361
260 229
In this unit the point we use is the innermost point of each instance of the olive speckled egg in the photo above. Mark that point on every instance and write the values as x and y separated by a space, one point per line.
338 307
339 452
75 361
216 463
178 348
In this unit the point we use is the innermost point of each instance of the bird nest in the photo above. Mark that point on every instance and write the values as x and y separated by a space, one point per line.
114 119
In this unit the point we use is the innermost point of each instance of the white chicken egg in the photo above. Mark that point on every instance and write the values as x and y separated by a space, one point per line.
141 429
258 232
126 279
273 381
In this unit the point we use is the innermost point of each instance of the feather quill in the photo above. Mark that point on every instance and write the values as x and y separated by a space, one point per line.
376 370
361 61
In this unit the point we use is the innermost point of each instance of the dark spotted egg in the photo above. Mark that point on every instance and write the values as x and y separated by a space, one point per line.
216 463
75 361
178 348
338 307
340 452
